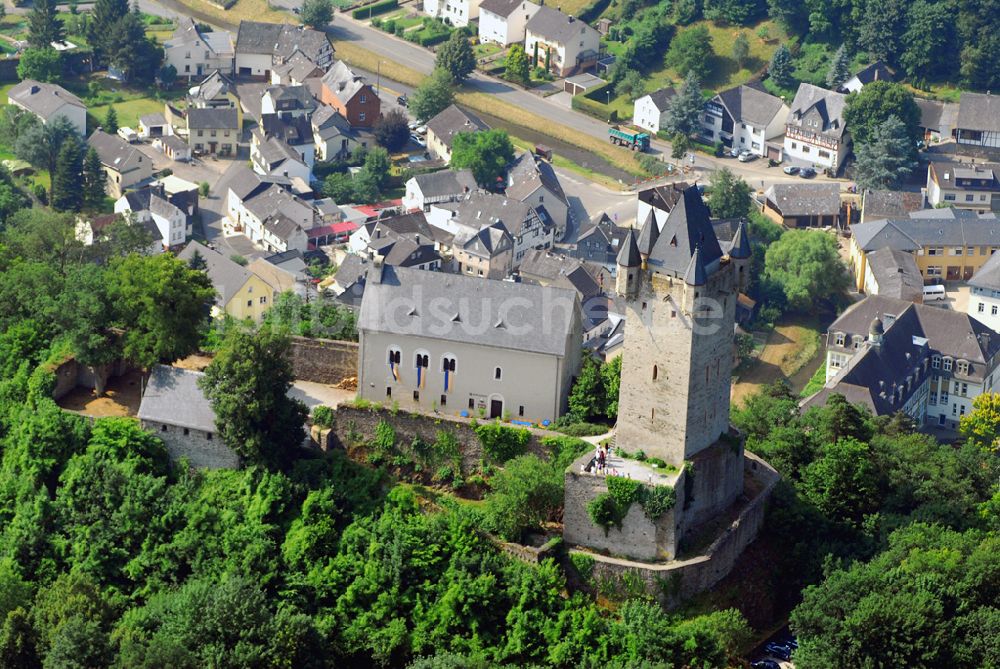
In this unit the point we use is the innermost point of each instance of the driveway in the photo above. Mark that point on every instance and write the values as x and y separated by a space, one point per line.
588 201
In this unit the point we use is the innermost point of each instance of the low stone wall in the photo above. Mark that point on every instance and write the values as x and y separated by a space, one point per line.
328 361
352 424
71 374
673 582
202 450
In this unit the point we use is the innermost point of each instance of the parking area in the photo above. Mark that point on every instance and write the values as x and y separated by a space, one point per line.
956 298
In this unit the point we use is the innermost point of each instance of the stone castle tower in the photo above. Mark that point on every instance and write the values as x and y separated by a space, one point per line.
680 288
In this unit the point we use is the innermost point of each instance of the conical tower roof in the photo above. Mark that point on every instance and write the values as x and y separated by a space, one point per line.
648 235
628 256
696 274
741 243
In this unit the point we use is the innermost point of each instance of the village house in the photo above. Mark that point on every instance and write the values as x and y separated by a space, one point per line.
442 357
238 292
441 130
296 71
454 12
267 213
124 164
937 119
262 46
351 96
173 147
504 22
48 102
153 204
332 134
152 126
549 268
949 244
194 53
533 181
287 102
973 187
877 71
213 131
275 156
814 131
486 253
650 111
658 200
894 356
978 121
984 293
89 230
803 205
745 118
216 91
479 209
423 190
893 273
878 204
559 43
599 242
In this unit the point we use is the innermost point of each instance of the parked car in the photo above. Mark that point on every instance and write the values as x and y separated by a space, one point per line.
418 141
734 152
807 173
778 650
791 170
421 130
746 157
403 100
765 664
128 134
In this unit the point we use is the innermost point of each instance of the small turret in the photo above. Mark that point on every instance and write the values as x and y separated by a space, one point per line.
629 263
696 274
648 235
739 254
875 332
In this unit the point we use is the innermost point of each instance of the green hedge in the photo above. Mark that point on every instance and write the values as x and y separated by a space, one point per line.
374 9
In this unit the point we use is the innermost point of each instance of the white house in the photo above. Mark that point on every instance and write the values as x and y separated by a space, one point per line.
560 43
151 204
504 21
276 156
269 215
197 54
877 71
456 12
49 101
332 134
746 118
424 190
532 181
814 131
984 293
650 111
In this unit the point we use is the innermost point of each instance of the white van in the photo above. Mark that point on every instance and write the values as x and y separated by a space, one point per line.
934 293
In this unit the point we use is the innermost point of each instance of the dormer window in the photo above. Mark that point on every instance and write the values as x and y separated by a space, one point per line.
838 338
936 361
963 367
947 364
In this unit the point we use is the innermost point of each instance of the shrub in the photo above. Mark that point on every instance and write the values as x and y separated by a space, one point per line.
578 428
658 500
385 437
526 493
501 443
323 416
583 564
610 508
564 450
380 7
603 511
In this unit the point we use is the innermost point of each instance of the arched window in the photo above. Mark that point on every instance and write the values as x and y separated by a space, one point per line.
497 373
448 363
395 357
654 372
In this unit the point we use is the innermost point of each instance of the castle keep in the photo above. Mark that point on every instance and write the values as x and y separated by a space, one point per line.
681 289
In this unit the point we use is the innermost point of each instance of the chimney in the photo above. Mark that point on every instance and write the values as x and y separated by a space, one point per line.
34 89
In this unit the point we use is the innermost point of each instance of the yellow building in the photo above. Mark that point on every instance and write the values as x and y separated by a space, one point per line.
238 292
947 244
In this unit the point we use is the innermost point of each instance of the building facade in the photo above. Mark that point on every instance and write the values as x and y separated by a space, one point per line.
560 43
974 187
503 22
814 129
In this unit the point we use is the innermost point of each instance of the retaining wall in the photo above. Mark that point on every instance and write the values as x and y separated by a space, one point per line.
328 361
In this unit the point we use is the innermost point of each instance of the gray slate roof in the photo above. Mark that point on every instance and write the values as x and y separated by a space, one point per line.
988 276
227 277
528 173
113 151
628 256
557 27
897 274
343 82
927 227
446 182
648 234
480 312
213 119
805 199
662 97
977 111
663 196
747 104
502 8
480 208
452 121
890 204
877 71
688 227
173 397
42 99
829 106
257 37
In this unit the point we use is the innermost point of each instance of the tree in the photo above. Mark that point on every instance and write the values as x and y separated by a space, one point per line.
691 51
780 69
840 69
317 13
870 107
806 266
487 153
392 130
732 12
633 84
525 493
111 120
930 33
887 159
730 195
517 65
586 399
881 31
66 192
161 304
247 384
377 166
793 15
843 481
94 182
741 49
44 25
433 95
129 50
611 378
18 642
982 426
167 75
456 57
43 64
40 144
106 15
684 109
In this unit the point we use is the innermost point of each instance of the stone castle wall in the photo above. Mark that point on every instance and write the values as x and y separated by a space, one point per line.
673 582
326 361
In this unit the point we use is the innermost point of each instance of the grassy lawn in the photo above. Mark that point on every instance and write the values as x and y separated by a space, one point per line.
485 50
402 18
128 111
574 7
565 163
249 10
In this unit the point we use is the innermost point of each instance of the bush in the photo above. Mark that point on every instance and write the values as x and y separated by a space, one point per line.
578 428
658 500
501 443
564 450
385 437
610 508
323 416
380 7
526 493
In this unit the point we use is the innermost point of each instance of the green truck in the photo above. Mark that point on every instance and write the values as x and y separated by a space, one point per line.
637 141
